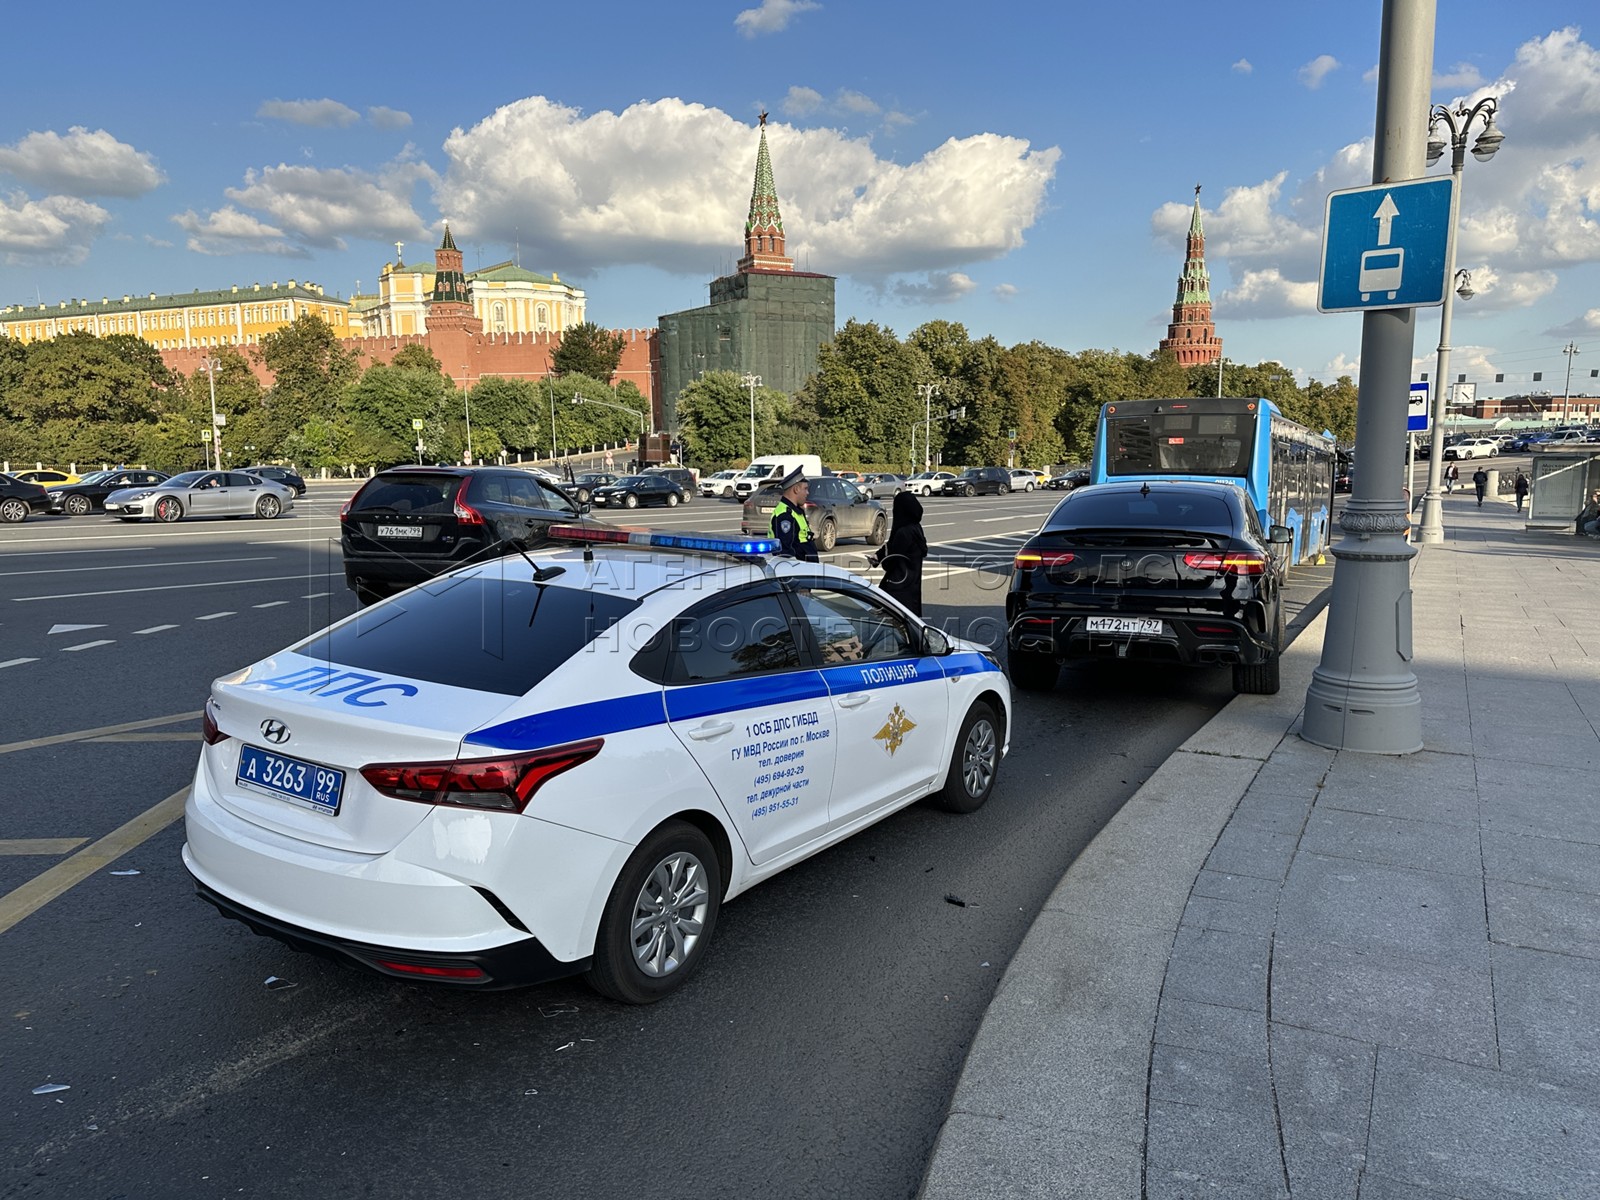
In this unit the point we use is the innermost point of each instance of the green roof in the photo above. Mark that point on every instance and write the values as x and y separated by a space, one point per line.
508 273
254 294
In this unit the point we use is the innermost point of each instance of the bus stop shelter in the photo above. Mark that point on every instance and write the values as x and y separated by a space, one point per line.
1562 479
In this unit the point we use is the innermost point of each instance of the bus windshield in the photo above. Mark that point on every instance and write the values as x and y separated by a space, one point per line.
1180 443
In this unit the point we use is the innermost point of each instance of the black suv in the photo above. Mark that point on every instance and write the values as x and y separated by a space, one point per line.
408 524
681 476
992 481
279 475
1174 572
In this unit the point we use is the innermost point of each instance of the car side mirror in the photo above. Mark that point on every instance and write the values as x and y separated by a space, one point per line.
934 642
584 508
1280 535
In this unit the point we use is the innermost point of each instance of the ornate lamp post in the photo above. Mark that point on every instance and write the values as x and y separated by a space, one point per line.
1459 123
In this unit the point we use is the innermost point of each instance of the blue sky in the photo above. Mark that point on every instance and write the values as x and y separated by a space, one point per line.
1025 169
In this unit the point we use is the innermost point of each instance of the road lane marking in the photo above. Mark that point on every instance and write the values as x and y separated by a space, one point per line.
139 566
16 662
51 846
161 736
168 587
155 629
169 535
84 735
28 899
316 595
270 604
89 645
71 628
216 616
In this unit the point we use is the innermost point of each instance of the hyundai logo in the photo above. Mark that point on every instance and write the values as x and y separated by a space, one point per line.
275 731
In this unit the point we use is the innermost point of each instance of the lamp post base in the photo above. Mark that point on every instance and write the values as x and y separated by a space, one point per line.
1431 531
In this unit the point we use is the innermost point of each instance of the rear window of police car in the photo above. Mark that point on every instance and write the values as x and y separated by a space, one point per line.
478 630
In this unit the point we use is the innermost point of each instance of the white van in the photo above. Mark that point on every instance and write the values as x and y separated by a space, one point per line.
771 468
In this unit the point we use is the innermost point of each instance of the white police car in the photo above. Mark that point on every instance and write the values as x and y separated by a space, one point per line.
564 762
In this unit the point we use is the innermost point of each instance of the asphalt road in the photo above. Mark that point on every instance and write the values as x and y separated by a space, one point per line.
813 1057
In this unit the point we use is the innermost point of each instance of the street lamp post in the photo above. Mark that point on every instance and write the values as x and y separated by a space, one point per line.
214 446
468 404
1569 350
580 398
1431 529
927 391
752 382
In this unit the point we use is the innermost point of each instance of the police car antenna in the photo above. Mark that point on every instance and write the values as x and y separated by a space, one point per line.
540 574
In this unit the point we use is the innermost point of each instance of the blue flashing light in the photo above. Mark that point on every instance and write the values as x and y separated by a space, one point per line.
650 539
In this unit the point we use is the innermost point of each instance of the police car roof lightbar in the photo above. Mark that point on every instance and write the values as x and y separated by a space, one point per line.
649 539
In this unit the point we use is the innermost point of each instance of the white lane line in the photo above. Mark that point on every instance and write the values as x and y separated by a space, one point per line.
166 535
155 629
270 604
936 524
216 616
139 566
89 645
315 595
991 520
167 587
16 662
70 628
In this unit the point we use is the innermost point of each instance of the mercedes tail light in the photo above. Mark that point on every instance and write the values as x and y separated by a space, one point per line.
1027 560
1228 564
503 784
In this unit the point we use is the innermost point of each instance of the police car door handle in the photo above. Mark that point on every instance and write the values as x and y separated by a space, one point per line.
854 699
710 729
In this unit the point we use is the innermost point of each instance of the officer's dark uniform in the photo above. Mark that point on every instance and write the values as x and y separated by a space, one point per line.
789 524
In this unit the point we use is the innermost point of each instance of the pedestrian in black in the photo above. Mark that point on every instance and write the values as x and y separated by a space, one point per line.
789 523
901 556
1523 487
1480 484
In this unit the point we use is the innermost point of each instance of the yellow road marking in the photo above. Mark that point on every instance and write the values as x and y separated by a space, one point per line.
147 737
41 889
40 845
84 735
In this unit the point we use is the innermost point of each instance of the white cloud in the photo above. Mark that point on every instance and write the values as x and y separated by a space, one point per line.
854 102
55 231
229 231
1586 326
772 17
1496 291
1265 293
1242 67
1247 230
940 287
316 207
83 163
383 117
324 114
1342 364
1317 70
801 101
569 184
1462 75
1004 291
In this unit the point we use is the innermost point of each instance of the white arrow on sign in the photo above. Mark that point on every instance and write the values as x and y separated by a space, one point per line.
72 628
1385 216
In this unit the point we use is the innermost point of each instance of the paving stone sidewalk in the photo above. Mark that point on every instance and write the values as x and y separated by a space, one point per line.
1285 971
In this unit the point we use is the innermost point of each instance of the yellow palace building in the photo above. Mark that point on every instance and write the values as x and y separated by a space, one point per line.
238 316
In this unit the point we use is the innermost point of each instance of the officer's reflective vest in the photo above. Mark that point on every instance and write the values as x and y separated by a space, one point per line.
783 506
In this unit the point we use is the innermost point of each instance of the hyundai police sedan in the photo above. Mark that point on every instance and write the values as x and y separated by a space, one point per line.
564 762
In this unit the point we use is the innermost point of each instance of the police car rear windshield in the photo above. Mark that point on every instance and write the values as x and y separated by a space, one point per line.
479 631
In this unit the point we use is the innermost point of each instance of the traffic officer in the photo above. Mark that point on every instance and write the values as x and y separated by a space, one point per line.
789 519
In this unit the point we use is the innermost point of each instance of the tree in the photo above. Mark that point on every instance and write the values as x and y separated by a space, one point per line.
588 350
416 355
714 414
310 373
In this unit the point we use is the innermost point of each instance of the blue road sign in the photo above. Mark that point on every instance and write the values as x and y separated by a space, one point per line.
1385 246
1417 414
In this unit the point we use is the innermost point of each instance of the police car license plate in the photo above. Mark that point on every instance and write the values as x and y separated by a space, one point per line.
290 779
1145 625
400 531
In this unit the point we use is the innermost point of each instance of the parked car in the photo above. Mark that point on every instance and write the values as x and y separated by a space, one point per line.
631 491
975 481
280 475
407 524
835 508
926 483
89 493
582 488
1023 480
20 499
1473 448
719 484
47 478
1161 571
854 477
1564 437
1067 480
882 484
202 494
688 481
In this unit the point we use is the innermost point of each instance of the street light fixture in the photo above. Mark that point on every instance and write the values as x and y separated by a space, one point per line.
927 391
580 398
1459 123
752 382
468 405
214 445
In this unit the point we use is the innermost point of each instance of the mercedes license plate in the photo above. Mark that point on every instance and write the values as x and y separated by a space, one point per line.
290 779
1144 625
400 531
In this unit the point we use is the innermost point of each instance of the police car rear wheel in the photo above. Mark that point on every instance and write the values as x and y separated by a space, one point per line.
658 921
974 763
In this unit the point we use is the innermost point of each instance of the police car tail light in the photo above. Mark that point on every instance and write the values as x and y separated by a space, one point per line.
504 784
208 727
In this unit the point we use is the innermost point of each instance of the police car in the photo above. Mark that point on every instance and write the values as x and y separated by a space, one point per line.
565 761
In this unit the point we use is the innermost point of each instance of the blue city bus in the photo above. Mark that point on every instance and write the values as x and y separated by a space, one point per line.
1286 469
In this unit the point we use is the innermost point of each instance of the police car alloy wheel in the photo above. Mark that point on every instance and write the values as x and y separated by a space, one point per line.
974 763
